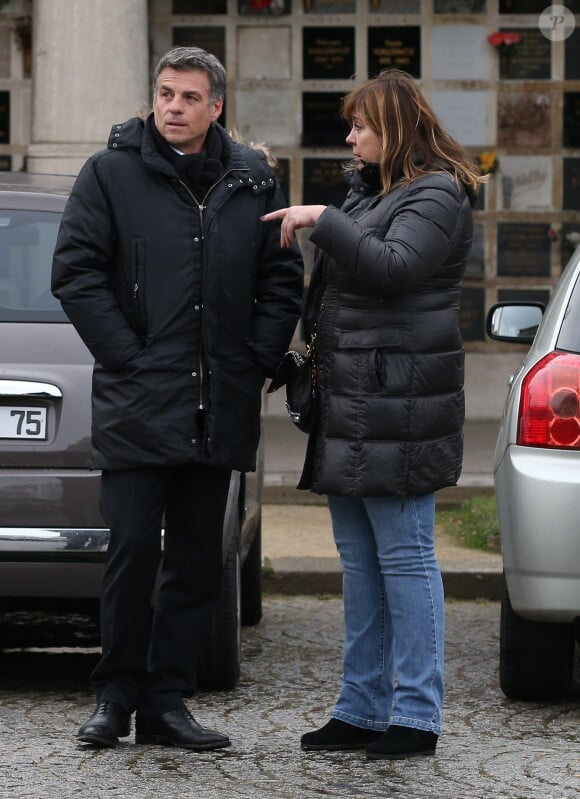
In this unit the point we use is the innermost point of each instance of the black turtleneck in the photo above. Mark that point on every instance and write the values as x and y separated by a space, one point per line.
371 176
198 170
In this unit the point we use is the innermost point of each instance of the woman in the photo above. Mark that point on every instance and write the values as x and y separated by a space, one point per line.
384 305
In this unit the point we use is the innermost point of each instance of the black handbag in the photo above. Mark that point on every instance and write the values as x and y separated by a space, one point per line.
298 374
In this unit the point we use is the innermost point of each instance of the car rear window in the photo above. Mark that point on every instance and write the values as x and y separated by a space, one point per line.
27 240
569 338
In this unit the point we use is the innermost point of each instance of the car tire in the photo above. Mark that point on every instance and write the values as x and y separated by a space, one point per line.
536 658
219 667
252 581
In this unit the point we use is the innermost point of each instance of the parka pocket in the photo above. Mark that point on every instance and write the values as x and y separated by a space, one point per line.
364 355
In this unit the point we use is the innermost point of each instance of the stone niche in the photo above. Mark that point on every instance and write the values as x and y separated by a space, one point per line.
322 124
472 313
459 50
571 120
264 52
464 114
523 249
323 181
524 119
525 183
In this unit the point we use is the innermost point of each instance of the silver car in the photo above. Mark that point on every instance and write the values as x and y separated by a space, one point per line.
52 536
537 485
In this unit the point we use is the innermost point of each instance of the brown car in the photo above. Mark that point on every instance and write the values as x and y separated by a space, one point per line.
52 535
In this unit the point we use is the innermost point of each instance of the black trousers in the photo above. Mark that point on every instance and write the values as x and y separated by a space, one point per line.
149 653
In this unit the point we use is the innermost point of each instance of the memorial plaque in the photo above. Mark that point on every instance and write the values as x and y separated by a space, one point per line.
572 56
571 122
571 175
322 124
5 37
459 50
523 119
212 39
523 249
463 114
395 46
395 6
329 6
523 295
472 313
323 181
327 53
475 267
5 163
4 117
459 6
200 6
525 183
529 59
570 238
274 7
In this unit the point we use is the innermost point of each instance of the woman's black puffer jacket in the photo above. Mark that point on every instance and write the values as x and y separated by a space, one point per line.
384 297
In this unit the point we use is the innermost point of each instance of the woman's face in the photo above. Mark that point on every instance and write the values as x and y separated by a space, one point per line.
366 144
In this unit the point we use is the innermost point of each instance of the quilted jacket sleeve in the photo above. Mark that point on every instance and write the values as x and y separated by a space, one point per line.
400 251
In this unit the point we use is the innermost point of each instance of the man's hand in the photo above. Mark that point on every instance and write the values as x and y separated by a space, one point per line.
294 218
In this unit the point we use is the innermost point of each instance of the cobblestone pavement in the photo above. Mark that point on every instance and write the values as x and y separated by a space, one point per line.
492 748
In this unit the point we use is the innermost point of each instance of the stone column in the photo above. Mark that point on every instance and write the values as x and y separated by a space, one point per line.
90 70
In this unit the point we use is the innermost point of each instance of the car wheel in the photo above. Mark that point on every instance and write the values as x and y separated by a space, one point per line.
536 658
219 668
252 581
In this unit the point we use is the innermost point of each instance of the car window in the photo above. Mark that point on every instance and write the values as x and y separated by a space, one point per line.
27 240
569 338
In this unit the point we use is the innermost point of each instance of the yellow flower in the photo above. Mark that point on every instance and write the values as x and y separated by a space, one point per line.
488 162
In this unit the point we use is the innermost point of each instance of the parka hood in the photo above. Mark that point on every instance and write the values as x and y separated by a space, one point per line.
126 135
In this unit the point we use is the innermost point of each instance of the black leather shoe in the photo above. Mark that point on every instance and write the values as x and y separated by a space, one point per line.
109 722
337 736
398 743
178 728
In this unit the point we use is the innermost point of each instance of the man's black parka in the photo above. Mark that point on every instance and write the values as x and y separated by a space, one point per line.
185 302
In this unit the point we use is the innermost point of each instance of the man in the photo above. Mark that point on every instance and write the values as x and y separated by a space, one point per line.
187 302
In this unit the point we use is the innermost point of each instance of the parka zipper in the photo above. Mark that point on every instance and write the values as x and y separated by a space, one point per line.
201 206
140 314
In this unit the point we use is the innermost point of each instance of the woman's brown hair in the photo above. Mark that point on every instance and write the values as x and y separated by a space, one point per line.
413 140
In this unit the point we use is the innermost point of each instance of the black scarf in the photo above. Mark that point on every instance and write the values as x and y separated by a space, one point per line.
198 170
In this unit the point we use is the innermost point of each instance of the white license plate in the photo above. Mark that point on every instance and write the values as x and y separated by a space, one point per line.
19 421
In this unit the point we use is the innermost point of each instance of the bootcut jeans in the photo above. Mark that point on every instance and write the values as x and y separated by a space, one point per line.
394 612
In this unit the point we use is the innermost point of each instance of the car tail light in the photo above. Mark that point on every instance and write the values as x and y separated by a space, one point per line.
550 403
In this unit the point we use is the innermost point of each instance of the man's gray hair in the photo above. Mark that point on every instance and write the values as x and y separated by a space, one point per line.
184 58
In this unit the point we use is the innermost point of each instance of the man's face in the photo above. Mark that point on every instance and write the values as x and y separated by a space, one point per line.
182 109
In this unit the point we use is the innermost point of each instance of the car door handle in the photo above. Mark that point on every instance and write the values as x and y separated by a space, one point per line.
28 388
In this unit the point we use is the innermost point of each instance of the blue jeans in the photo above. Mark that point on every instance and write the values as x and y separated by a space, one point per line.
394 612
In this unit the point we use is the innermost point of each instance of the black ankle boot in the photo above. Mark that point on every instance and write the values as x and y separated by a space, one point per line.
397 743
338 736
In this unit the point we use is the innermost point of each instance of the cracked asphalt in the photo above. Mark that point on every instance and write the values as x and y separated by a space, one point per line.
492 748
